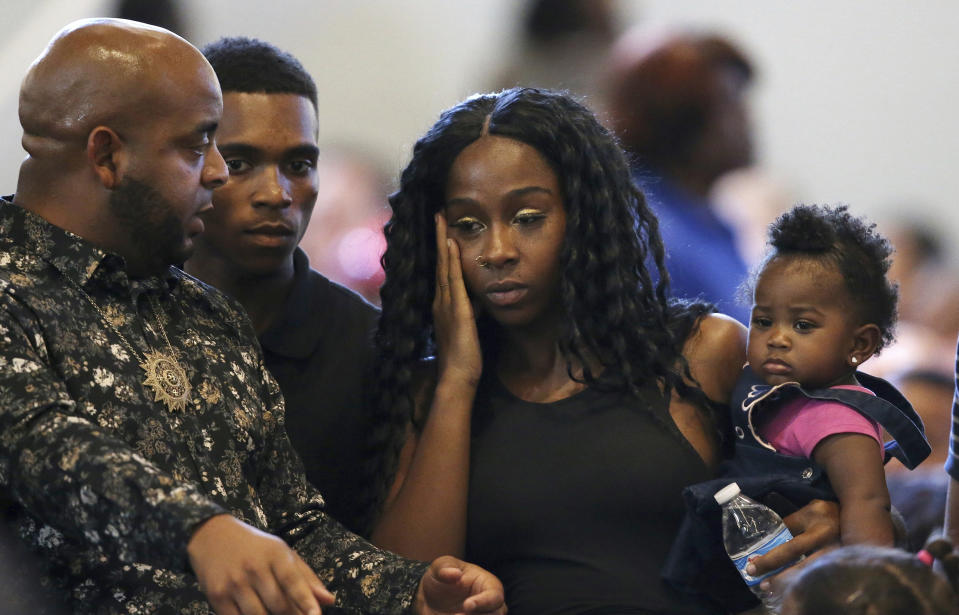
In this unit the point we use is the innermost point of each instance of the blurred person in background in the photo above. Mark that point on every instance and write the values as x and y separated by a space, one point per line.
930 393
920 495
748 200
161 13
562 46
316 335
677 103
920 364
929 312
345 238
920 264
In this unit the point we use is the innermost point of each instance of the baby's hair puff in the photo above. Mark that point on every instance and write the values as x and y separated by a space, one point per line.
873 580
853 245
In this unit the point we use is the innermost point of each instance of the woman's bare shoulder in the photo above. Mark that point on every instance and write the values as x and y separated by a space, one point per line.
716 352
716 335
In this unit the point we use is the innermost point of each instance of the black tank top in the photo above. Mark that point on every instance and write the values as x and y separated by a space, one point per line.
574 504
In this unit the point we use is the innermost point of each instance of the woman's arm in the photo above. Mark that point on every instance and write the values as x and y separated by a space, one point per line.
425 513
852 463
715 353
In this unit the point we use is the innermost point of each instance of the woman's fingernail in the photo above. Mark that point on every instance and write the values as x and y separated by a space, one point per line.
750 569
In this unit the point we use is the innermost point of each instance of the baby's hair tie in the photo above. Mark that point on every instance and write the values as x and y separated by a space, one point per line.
925 557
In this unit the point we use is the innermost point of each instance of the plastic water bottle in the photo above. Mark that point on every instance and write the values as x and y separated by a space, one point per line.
750 529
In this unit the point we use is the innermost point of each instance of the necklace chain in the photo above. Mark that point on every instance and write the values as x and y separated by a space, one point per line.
164 375
156 315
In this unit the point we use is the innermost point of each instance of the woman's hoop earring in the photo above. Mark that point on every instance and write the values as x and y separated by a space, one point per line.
482 262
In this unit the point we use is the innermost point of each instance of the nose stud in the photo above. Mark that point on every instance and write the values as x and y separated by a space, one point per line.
482 262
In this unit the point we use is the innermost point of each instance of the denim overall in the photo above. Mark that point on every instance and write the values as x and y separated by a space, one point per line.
698 562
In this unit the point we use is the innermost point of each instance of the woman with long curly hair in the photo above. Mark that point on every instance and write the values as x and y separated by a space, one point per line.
530 370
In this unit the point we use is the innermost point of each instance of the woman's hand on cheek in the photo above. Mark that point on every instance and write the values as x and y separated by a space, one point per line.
457 340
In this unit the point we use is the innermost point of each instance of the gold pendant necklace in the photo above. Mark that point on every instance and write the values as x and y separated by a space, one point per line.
167 379
164 375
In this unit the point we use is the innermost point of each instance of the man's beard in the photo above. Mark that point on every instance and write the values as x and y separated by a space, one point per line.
156 234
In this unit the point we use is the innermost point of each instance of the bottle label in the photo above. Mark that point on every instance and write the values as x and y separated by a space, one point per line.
741 559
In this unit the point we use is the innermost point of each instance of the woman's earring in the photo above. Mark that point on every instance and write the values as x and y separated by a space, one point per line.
853 360
481 261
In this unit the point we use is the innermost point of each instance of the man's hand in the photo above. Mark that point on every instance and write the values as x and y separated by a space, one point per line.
245 571
454 586
814 527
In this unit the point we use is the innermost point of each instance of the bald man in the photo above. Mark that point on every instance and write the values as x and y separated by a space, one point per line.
141 438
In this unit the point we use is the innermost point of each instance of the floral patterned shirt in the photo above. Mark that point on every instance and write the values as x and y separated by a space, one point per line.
107 484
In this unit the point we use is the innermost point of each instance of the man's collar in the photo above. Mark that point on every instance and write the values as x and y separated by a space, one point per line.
294 333
74 257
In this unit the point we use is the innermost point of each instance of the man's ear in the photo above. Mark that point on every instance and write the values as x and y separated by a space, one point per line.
865 339
107 155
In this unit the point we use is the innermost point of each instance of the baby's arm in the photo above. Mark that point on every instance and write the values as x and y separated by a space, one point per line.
853 464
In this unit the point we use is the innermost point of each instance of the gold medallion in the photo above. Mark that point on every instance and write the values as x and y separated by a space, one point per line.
167 379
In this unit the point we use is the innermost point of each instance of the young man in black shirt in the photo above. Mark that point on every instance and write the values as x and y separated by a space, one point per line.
315 334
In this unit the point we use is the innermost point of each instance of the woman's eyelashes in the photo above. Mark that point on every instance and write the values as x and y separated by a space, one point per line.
529 217
471 225
467 225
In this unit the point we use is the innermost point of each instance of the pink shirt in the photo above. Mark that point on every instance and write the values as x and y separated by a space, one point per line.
800 424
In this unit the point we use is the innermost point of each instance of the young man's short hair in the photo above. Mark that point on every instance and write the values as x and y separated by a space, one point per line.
249 65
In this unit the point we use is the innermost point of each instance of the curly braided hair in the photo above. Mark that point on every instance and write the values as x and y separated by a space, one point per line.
614 312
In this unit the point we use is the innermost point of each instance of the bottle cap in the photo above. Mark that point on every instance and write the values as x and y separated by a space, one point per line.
726 493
